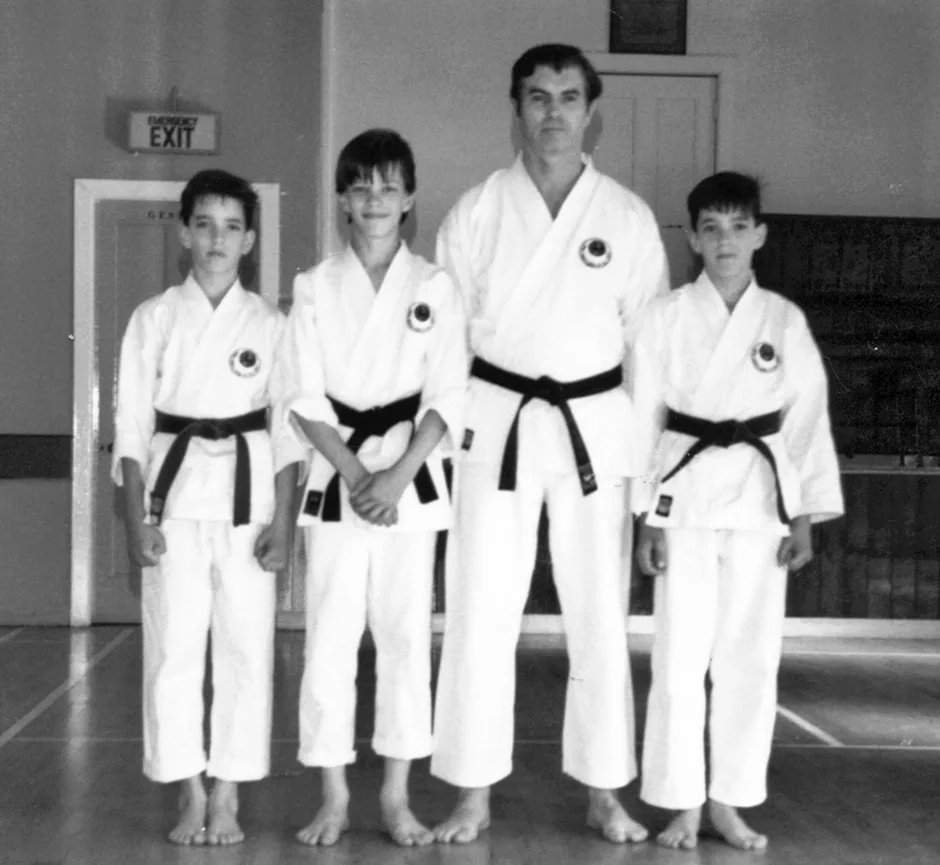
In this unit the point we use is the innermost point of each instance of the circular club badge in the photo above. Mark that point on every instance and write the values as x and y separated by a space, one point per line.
765 357
244 362
595 252
420 317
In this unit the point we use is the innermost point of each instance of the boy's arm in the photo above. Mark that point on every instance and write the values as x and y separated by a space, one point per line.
275 542
145 543
807 436
806 429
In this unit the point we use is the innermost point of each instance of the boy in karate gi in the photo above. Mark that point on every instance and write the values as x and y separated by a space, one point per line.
376 347
554 260
742 463
196 460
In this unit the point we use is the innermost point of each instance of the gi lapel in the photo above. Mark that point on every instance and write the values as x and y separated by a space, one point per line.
536 291
371 370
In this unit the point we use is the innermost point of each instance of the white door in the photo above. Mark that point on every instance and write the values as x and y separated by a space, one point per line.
138 254
657 137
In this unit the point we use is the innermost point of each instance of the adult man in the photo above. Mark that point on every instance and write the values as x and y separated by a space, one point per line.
554 261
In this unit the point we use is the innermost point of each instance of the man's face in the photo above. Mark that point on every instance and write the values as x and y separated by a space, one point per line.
216 234
727 241
553 111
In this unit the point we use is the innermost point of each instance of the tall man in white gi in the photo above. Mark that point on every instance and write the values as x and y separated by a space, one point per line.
554 261
742 461
206 518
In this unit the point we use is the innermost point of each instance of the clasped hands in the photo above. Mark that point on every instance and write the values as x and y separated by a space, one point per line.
375 496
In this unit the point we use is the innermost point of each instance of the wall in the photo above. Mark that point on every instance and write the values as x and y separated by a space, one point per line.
836 105
69 69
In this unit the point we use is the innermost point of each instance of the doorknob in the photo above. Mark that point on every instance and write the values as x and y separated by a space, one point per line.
109 447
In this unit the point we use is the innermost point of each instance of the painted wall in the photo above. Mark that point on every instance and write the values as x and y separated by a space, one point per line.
69 69
836 107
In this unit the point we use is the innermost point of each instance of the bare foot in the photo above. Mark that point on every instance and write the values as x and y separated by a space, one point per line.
402 825
470 817
327 826
191 828
732 828
609 817
223 828
682 831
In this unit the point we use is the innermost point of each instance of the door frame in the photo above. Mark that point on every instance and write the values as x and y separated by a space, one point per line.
86 397
723 69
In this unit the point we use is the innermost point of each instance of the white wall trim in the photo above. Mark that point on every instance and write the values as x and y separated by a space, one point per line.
85 391
328 239
722 68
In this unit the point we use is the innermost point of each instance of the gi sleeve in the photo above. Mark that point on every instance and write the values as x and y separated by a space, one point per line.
287 444
301 359
646 385
649 275
138 370
452 253
445 387
806 430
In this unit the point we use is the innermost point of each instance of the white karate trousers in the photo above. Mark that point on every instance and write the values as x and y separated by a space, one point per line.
719 609
357 575
207 580
491 556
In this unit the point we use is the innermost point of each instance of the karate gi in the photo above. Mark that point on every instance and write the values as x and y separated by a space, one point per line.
720 606
181 357
348 343
554 298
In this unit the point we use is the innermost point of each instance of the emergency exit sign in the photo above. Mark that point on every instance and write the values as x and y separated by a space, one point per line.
173 132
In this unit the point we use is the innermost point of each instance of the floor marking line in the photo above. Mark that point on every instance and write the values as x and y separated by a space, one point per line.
11 635
817 747
809 727
64 688
863 654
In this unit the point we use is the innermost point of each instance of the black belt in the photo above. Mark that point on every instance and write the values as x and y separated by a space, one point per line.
725 433
556 393
373 422
184 428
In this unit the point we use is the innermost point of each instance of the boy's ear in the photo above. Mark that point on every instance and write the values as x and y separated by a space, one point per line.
186 237
408 203
248 241
692 237
761 232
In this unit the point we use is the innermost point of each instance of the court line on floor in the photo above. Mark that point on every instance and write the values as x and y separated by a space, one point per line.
863 654
66 686
809 727
11 635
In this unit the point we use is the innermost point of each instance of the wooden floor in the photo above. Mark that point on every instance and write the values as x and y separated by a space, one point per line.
855 774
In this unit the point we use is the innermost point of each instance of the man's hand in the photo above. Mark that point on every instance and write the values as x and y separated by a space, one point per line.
651 549
145 544
376 497
272 548
797 550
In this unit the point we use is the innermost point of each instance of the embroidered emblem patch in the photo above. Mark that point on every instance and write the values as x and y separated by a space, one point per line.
663 506
467 440
244 362
312 503
595 252
764 356
420 317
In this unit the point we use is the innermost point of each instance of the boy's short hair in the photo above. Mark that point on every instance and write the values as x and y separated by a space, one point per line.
725 191
375 149
213 182
558 57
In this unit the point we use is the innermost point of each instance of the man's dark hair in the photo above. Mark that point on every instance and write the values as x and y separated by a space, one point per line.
375 149
557 57
215 183
724 192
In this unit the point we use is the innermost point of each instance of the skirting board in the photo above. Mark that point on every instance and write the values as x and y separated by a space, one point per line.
897 629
